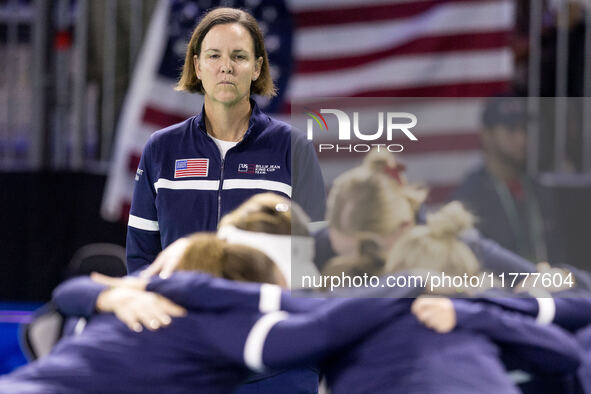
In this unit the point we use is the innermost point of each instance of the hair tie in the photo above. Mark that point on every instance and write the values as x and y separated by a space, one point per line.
395 172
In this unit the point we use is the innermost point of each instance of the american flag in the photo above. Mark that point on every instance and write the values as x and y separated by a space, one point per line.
187 168
339 48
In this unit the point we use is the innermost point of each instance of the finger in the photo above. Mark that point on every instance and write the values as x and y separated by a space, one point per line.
159 262
419 304
422 313
437 323
153 268
104 279
130 306
428 303
162 315
427 316
146 273
135 283
162 318
168 269
543 266
130 320
430 314
172 309
175 253
415 305
448 323
442 329
154 319
148 319
153 311
159 319
163 311
432 324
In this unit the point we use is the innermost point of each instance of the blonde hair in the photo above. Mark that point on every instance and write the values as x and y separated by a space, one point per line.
435 246
385 162
268 213
369 200
209 254
219 16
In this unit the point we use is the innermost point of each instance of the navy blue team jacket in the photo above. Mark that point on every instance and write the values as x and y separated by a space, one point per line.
210 350
570 310
184 186
401 355
366 366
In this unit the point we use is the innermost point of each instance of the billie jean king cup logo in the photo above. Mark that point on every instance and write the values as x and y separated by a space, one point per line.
408 122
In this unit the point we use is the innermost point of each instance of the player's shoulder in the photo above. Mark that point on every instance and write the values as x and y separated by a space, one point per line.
474 183
172 132
280 128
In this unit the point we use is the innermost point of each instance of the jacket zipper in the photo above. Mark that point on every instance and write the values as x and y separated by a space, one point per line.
220 191
222 178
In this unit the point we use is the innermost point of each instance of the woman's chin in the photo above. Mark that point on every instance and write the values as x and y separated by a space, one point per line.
226 98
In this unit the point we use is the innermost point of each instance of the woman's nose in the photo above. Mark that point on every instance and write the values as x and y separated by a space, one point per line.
226 66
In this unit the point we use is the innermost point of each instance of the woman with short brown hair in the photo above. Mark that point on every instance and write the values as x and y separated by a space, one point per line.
263 85
193 173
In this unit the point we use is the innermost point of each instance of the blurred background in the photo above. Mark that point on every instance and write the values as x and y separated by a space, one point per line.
84 83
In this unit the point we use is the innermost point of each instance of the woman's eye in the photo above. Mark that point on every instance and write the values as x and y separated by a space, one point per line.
214 56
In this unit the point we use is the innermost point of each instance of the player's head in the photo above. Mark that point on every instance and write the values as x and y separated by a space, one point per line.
504 135
435 246
275 226
207 253
261 85
372 200
268 213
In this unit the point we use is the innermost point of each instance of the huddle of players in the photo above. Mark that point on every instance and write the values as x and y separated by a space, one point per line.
360 344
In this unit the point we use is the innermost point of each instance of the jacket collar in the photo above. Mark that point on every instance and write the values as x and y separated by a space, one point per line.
256 123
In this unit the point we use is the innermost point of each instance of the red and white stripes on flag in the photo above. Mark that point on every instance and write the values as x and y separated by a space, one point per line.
187 168
354 48
397 48
406 48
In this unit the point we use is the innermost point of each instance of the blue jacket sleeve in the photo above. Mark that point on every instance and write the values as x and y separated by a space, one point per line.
143 232
545 348
77 296
278 340
494 257
572 313
202 292
570 309
308 189
306 338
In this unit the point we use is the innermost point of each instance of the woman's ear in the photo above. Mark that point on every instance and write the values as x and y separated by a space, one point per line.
196 65
258 64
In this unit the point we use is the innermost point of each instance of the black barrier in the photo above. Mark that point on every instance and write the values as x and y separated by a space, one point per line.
46 218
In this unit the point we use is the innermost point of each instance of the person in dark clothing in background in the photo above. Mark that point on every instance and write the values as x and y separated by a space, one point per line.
511 207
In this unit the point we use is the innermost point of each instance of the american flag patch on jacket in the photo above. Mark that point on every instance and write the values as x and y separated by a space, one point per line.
185 168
